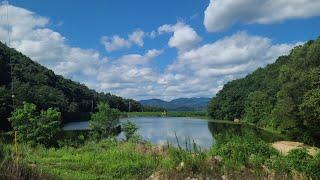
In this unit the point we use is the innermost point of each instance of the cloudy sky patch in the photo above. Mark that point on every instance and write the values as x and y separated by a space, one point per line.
167 60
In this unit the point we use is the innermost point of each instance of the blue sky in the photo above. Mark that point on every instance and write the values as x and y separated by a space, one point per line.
158 49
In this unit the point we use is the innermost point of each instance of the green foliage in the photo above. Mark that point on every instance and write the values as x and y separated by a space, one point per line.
315 166
35 128
107 159
200 114
39 85
153 109
283 95
310 108
299 160
239 157
129 128
257 108
104 122
5 106
193 162
283 112
247 150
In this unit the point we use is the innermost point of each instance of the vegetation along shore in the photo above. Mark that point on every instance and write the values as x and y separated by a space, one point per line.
282 98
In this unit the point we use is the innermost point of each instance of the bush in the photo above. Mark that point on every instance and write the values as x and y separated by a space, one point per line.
129 128
104 122
238 151
315 167
301 161
192 162
35 128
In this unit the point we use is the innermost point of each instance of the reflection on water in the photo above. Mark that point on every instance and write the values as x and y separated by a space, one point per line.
240 130
84 125
161 130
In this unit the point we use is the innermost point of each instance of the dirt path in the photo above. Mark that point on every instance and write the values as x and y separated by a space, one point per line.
285 146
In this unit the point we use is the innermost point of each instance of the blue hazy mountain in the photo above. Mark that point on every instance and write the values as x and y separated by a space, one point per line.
181 104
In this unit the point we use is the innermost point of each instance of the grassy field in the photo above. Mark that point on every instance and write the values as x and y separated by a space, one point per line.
245 157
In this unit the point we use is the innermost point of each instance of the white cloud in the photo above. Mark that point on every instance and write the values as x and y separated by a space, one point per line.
183 38
116 42
220 14
129 75
198 70
137 37
152 34
29 34
139 59
202 71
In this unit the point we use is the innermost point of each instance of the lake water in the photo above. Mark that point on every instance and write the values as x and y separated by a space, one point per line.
161 130
84 125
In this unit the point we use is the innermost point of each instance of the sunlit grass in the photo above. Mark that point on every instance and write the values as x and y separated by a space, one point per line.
241 156
106 159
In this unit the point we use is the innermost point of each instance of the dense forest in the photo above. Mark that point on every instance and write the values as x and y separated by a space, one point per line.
180 104
36 84
284 95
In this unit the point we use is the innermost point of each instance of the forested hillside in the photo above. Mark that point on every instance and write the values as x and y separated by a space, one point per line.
180 104
284 95
36 84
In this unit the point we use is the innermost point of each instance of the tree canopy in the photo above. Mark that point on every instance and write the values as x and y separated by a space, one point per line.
36 84
36 128
283 95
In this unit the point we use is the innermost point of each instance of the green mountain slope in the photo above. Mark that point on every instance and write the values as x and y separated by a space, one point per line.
284 95
181 104
39 85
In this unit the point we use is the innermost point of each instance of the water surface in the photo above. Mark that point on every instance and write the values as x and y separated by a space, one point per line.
161 130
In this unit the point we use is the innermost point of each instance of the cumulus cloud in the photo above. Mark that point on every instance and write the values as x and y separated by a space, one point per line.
198 70
116 42
29 34
129 75
139 59
183 38
202 71
220 14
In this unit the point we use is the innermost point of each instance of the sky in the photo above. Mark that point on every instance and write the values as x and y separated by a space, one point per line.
157 49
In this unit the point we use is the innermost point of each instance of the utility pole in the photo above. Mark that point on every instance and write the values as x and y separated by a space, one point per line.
129 106
92 105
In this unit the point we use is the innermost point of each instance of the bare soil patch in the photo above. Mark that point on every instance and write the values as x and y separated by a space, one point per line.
285 146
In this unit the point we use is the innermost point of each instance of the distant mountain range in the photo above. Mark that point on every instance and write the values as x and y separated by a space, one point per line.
181 104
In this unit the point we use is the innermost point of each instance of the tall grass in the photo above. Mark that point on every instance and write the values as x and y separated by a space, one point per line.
107 159
243 157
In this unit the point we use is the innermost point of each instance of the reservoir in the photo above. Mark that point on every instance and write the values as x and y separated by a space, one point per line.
179 130
163 130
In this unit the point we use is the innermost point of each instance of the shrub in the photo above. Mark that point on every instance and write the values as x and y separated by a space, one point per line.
129 128
35 128
192 162
244 150
301 161
315 167
104 122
